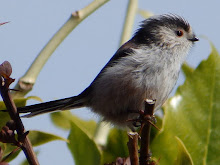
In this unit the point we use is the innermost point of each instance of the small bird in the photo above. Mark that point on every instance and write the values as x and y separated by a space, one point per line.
145 67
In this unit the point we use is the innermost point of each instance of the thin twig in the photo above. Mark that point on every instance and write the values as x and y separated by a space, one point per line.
11 153
3 23
145 154
5 81
133 148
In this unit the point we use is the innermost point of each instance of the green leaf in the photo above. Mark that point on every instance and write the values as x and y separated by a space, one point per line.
4 116
193 115
63 119
2 105
183 156
116 146
187 70
154 131
20 102
8 148
38 137
83 148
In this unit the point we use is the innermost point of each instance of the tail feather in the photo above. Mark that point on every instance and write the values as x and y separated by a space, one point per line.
62 104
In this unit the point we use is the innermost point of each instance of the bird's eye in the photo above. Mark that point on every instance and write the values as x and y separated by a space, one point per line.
179 33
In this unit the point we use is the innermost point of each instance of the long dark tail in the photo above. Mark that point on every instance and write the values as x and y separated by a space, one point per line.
62 104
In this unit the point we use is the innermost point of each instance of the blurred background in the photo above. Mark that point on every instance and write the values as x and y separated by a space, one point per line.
85 51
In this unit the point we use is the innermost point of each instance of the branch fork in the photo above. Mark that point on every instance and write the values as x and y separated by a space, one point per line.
146 119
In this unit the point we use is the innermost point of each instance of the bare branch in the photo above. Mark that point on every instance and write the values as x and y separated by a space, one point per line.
145 154
133 148
5 81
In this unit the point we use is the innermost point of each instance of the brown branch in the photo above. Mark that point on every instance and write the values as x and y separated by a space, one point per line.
145 154
11 153
133 148
5 81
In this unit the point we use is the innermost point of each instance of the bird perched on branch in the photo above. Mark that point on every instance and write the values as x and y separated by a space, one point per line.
145 67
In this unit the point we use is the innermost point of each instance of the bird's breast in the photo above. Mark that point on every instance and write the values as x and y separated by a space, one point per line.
122 88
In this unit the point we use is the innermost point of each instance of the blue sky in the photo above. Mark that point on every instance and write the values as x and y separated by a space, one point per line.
85 51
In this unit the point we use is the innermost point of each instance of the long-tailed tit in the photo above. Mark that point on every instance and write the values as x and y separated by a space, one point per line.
145 67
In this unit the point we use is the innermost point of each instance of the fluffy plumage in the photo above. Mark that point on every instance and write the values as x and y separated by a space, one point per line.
146 67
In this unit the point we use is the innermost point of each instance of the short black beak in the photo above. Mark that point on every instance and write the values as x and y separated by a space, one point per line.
194 39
